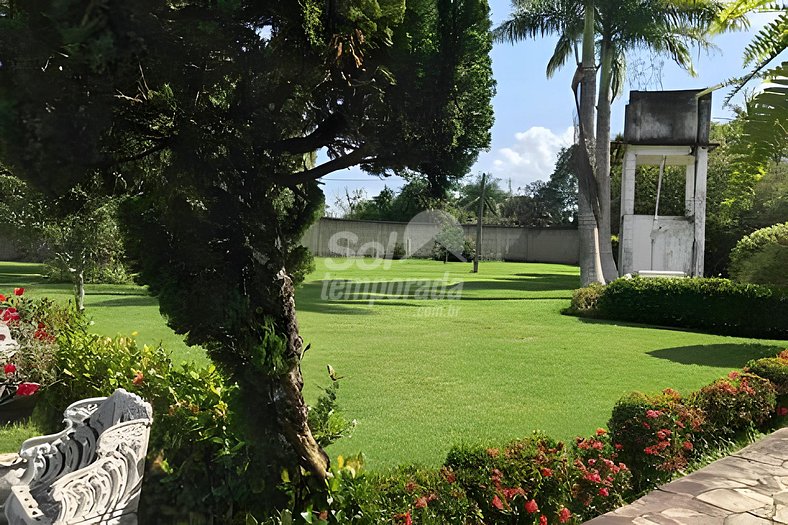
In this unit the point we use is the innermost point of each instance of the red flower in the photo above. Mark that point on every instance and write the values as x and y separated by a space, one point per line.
409 486
546 472
509 494
42 335
604 492
19 291
593 477
27 389
138 378
404 518
542 520
9 315
782 411
687 445
653 414
601 432
497 503
619 446
531 506
9 368
663 434
448 475
733 374
421 503
2 298
564 515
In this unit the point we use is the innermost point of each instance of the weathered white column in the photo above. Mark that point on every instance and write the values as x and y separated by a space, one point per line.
628 183
625 232
701 163
689 191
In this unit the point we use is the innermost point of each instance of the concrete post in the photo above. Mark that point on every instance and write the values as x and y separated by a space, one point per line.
701 163
689 191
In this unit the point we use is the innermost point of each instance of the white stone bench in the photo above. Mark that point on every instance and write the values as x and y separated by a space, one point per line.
660 273
91 472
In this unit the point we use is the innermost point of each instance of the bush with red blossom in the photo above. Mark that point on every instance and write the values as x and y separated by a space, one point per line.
601 482
33 325
649 433
735 403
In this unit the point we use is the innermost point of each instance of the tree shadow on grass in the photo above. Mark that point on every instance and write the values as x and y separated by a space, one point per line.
527 282
126 301
725 355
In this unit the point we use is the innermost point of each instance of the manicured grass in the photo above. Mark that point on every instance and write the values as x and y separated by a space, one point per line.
12 436
114 309
419 379
421 374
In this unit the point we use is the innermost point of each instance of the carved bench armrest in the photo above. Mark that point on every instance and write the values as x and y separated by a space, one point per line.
110 485
21 508
32 447
81 410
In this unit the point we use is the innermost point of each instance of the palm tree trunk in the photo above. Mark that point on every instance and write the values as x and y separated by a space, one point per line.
590 262
602 164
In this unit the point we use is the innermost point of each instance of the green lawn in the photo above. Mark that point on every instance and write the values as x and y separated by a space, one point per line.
422 374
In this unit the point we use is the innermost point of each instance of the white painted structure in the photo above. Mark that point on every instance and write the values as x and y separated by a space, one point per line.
663 135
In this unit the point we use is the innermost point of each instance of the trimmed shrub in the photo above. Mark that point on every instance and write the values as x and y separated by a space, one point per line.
715 305
775 369
600 483
760 257
734 403
655 435
502 481
585 300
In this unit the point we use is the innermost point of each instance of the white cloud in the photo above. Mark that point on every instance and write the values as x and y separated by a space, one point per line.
532 156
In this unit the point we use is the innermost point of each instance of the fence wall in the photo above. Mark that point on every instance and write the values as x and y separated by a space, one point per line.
339 237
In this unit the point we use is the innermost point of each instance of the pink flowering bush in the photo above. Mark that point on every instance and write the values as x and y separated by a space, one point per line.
736 402
601 481
529 481
655 435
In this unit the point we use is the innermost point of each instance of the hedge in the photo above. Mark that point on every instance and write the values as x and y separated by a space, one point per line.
715 305
760 257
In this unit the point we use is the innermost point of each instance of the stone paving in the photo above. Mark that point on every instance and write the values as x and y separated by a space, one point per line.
747 488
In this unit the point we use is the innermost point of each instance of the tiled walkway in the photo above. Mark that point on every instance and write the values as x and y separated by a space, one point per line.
747 488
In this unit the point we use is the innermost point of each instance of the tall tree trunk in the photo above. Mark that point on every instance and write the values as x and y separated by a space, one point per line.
602 164
291 409
590 262
79 288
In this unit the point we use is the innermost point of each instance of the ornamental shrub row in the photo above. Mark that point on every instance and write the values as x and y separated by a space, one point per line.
715 305
660 435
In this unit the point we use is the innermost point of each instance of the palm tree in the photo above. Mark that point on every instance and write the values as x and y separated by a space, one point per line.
570 19
665 26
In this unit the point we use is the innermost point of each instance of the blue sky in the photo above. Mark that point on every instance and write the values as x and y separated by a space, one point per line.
534 115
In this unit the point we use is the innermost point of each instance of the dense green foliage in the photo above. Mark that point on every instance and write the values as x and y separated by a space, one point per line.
715 305
538 204
761 257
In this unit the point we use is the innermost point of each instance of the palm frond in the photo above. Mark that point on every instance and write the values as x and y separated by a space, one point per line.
564 49
618 74
765 131
768 43
533 18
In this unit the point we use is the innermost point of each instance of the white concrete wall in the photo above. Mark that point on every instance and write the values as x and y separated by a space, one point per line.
556 245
